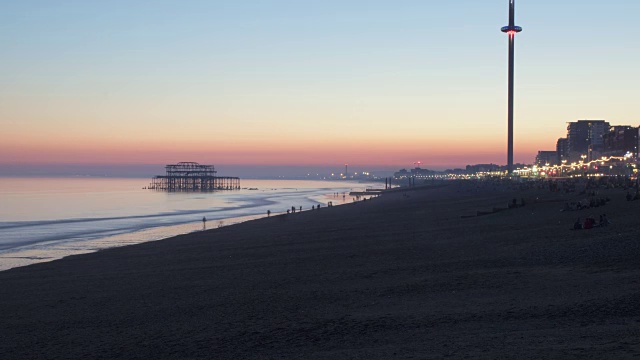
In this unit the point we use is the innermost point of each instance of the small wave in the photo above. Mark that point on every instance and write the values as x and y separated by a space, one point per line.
238 207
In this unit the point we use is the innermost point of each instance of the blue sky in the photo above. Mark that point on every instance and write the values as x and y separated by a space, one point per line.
420 77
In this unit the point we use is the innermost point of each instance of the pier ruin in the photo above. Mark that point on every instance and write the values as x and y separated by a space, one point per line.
191 176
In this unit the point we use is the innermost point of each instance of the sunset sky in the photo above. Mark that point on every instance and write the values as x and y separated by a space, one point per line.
376 83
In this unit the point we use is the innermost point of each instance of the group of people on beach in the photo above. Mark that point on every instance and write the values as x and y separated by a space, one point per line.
514 203
313 207
590 223
585 204
293 209
633 197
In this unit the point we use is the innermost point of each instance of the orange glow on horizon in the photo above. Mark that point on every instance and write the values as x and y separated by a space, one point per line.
317 153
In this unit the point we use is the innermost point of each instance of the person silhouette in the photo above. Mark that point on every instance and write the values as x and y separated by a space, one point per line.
204 222
577 225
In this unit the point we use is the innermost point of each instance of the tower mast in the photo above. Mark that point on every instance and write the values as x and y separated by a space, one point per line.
511 31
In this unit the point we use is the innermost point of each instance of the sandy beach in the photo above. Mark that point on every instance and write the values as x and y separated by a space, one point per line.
409 275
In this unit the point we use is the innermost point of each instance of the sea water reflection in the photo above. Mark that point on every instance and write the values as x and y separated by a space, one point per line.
43 219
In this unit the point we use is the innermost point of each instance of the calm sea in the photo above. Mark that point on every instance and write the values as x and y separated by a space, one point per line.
43 219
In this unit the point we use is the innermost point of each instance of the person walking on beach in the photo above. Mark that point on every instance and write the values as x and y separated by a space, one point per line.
268 213
204 223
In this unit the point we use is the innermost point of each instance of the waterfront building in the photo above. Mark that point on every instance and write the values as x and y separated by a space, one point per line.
585 138
547 158
417 173
483 168
562 150
621 140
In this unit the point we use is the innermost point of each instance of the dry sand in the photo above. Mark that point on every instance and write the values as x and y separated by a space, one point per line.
402 276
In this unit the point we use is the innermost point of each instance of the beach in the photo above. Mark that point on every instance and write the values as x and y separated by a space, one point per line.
413 274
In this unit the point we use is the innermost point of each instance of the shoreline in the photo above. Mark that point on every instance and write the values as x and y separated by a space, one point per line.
403 275
40 252
95 237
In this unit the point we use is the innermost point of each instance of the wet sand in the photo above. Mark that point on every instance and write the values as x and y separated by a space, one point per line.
403 276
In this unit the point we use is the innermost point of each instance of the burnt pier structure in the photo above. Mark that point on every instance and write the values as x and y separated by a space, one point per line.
191 176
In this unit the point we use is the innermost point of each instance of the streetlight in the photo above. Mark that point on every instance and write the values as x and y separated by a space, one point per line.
584 173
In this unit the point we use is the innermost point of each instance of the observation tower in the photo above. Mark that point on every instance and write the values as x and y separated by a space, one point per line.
511 31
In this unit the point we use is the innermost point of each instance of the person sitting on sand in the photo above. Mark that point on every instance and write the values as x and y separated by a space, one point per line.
589 223
577 225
